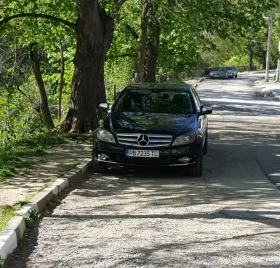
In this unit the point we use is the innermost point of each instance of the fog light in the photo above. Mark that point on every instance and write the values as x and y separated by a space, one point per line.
185 159
103 157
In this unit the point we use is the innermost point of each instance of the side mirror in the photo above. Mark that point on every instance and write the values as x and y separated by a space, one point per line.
205 110
103 110
118 93
104 106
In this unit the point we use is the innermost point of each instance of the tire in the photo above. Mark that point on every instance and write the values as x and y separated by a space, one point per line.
98 167
236 76
205 147
195 170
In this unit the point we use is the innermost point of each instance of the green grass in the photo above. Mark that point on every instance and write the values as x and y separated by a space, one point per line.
11 156
65 170
11 163
6 213
47 184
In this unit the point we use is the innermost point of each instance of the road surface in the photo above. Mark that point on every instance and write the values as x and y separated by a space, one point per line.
230 217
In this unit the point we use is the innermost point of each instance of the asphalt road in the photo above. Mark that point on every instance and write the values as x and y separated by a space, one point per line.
230 217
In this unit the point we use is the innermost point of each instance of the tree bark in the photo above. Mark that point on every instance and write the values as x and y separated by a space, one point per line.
95 34
146 4
250 57
152 53
61 85
264 61
47 119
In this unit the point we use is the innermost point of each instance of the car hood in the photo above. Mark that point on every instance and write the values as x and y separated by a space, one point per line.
173 124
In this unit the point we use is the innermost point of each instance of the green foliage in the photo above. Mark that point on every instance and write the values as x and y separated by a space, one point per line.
21 113
32 216
194 34
187 31
223 50
234 51
6 213
119 74
237 61
17 116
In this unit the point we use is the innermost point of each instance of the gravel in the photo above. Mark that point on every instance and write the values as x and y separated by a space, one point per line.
159 218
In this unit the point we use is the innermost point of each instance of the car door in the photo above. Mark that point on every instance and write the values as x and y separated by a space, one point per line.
202 120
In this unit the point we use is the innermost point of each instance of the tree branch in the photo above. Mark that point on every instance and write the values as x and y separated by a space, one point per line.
43 16
122 56
131 30
33 104
120 2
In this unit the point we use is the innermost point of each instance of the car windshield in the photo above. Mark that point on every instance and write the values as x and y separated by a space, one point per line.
229 68
174 101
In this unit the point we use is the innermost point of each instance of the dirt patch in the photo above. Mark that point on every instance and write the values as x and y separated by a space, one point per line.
43 170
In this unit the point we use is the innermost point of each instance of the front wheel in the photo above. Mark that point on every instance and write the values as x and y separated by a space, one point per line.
98 167
205 146
196 169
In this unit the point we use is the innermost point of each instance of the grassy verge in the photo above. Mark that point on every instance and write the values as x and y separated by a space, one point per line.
6 213
11 155
11 163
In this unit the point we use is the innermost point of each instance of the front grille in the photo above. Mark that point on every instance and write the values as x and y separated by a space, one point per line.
162 160
154 140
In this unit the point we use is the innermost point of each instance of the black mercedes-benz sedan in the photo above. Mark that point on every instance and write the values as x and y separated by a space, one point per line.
153 125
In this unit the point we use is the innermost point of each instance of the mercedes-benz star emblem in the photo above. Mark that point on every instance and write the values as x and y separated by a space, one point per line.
143 140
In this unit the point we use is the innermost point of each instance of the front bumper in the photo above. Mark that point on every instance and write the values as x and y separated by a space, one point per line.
218 75
168 157
230 75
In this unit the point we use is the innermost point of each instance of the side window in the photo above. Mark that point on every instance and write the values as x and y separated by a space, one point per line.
196 99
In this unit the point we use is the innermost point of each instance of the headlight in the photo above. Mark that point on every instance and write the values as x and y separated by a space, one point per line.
104 135
185 139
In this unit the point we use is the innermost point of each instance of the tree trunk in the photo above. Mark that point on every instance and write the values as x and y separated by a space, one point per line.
47 119
95 34
264 60
152 53
146 4
61 85
250 57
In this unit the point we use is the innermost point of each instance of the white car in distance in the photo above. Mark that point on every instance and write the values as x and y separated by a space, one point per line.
231 72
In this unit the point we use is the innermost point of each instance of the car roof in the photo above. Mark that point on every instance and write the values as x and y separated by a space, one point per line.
159 86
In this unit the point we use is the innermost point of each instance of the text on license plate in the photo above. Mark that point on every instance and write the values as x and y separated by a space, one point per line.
142 153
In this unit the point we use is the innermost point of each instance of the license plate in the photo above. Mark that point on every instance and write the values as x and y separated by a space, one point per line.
142 153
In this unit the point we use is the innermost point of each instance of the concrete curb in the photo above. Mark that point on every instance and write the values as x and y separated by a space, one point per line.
16 226
256 72
261 85
199 81
275 94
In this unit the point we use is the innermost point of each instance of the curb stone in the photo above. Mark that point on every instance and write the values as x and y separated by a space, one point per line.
261 85
194 82
275 94
16 226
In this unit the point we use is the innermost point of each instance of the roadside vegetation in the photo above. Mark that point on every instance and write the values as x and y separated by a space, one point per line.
53 74
12 155
13 161
6 213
